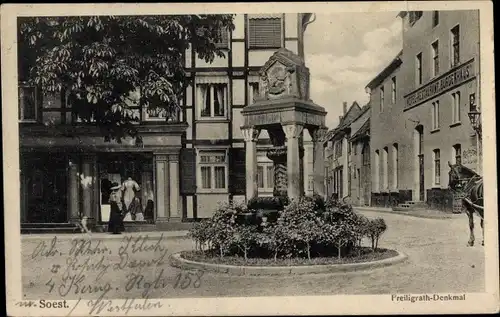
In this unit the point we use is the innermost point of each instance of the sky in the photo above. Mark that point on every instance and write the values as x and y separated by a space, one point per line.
344 52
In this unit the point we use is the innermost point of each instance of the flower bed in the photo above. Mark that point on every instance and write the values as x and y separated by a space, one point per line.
366 255
307 227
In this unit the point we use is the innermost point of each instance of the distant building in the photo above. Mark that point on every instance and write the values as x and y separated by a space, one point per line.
359 160
338 149
419 108
186 163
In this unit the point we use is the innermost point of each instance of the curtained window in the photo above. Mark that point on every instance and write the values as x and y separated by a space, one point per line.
213 169
213 100
265 176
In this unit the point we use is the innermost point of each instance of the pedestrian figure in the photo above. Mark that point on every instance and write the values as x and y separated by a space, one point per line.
115 224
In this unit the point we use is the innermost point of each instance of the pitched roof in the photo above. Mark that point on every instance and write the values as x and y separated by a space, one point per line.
351 115
386 71
363 131
364 109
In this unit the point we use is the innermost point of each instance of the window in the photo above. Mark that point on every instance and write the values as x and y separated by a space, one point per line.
253 91
382 101
435 115
393 90
365 153
435 18
338 149
355 148
265 176
377 171
224 39
455 46
414 16
455 110
27 104
265 32
116 168
385 171
437 167
435 58
395 166
310 183
418 77
213 167
457 154
213 101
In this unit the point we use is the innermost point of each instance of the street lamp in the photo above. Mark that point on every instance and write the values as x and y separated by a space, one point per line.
474 114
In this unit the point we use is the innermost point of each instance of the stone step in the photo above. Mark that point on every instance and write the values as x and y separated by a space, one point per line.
55 230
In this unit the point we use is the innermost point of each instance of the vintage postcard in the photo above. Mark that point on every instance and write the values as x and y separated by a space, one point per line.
249 158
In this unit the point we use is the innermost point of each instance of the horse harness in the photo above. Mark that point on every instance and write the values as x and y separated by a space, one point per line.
471 190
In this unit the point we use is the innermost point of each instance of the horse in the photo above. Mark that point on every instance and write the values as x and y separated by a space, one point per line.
465 181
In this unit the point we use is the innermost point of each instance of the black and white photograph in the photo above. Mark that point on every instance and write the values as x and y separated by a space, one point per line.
235 159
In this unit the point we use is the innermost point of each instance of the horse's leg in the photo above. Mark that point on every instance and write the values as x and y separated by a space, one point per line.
470 214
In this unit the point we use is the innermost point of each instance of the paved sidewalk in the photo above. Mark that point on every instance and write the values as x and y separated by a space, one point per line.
425 213
105 235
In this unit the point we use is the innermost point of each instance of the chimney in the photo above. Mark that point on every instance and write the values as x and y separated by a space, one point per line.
340 118
344 108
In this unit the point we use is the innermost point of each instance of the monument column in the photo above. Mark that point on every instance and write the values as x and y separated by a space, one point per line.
317 136
293 133
173 163
251 134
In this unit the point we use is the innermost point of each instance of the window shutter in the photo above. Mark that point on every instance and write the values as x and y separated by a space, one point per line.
264 33
237 179
188 171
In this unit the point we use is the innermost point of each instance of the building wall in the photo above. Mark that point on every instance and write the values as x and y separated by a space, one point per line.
397 123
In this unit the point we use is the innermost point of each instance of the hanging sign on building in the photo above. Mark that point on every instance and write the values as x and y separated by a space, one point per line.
449 80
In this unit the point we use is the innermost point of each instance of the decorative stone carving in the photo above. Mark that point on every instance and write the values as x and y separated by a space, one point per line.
318 133
292 131
250 134
284 75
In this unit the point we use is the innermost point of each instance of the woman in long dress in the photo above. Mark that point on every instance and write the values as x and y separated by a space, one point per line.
115 224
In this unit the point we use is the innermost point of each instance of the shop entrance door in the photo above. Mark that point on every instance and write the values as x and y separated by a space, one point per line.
46 189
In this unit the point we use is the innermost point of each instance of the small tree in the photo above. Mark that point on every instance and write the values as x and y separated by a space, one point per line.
275 237
244 237
375 230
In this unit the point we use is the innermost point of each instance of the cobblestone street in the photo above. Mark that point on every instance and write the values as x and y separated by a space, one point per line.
439 261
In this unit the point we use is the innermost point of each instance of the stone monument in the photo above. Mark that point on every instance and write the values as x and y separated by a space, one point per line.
284 109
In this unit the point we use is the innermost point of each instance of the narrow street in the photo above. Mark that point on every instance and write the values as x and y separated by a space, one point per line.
439 261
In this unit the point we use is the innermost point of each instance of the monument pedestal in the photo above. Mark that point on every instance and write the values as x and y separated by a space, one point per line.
284 109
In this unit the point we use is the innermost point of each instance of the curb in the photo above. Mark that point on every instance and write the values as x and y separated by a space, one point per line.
105 236
402 213
177 261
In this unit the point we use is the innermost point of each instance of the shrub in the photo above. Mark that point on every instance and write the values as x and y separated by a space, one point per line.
375 229
306 226
302 222
244 236
201 233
